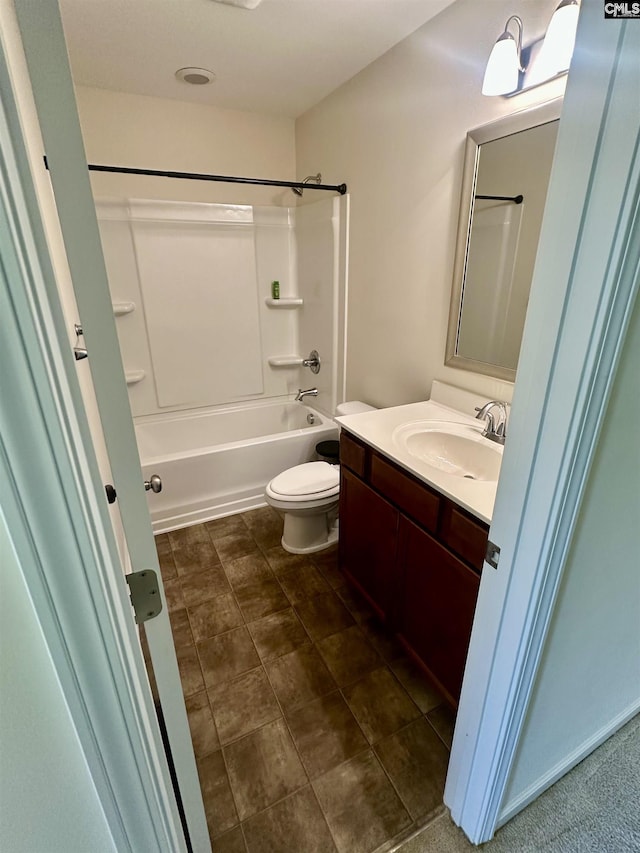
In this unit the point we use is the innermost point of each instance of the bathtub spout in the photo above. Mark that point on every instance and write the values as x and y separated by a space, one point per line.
310 392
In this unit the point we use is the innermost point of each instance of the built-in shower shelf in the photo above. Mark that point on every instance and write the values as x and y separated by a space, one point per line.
134 376
285 302
121 308
285 361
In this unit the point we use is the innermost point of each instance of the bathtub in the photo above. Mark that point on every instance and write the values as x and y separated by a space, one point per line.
218 462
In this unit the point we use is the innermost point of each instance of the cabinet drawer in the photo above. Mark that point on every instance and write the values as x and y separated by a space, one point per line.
464 535
353 454
412 497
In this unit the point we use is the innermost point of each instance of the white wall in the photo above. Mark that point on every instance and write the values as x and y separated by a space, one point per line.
47 798
395 134
590 672
157 133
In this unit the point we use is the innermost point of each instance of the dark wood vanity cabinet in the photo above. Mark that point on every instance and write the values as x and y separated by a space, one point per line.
415 555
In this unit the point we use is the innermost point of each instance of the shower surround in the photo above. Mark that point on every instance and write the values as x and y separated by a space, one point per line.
206 349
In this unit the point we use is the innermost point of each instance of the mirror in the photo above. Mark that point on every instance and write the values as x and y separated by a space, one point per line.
504 187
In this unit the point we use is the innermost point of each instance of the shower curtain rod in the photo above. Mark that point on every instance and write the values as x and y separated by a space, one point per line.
516 199
195 176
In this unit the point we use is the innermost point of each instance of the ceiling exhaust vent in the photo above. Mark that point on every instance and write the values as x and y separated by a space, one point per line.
243 4
195 76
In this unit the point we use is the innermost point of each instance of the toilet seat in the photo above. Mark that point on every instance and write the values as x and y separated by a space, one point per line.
310 481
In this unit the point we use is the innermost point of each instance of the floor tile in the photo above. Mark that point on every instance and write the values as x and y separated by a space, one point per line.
230 525
327 562
326 733
216 792
204 736
180 628
214 617
294 825
226 656
243 705
299 677
348 655
261 598
165 556
326 557
416 760
380 704
415 682
443 720
354 602
382 639
193 550
190 671
265 525
282 561
231 842
324 615
360 804
247 569
204 585
173 594
278 634
303 582
236 545
263 768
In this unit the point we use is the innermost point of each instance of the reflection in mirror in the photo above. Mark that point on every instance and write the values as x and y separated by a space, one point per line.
504 190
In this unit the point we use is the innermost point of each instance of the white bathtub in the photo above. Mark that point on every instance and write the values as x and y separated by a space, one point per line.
218 462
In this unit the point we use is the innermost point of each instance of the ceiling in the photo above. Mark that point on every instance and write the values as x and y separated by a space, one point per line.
279 59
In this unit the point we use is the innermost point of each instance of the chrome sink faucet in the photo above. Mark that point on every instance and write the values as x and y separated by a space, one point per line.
495 428
310 392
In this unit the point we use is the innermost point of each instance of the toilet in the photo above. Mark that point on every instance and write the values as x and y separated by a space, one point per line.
307 497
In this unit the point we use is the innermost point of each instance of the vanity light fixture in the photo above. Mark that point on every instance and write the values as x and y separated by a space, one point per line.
505 62
512 69
557 47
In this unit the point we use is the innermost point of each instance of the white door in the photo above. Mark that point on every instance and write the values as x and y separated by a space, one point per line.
45 51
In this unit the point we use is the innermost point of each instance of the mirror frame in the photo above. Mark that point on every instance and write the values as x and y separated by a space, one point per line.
514 123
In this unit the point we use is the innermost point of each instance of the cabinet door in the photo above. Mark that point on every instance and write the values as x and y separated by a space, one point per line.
368 540
437 603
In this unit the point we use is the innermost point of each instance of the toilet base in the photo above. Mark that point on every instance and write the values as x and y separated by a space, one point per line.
306 534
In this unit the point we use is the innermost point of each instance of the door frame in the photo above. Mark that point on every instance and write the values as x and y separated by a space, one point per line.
54 504
42 38
585 283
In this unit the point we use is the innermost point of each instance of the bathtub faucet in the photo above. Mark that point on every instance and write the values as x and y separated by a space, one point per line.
310 392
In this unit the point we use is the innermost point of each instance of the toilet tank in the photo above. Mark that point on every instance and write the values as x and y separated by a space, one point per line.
353 407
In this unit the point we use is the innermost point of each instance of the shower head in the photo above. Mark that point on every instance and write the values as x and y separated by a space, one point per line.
315 178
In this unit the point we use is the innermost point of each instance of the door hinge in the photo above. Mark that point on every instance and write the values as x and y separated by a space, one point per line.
144 593
492 554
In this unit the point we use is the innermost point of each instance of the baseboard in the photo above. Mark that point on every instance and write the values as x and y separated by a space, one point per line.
566 764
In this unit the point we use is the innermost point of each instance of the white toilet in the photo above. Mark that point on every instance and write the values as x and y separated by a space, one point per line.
307 497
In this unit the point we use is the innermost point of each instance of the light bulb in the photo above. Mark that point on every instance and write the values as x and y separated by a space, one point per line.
557 47
501 75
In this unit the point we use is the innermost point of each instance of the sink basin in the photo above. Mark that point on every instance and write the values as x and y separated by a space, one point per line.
455 449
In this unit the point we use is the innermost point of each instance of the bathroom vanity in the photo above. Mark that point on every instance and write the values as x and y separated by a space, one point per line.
407 544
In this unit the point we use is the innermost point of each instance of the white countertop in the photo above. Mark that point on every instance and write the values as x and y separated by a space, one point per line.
377 427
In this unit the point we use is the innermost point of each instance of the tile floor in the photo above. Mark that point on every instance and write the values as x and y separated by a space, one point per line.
312 730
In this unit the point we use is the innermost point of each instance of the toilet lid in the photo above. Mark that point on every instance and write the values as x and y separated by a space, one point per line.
307 479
